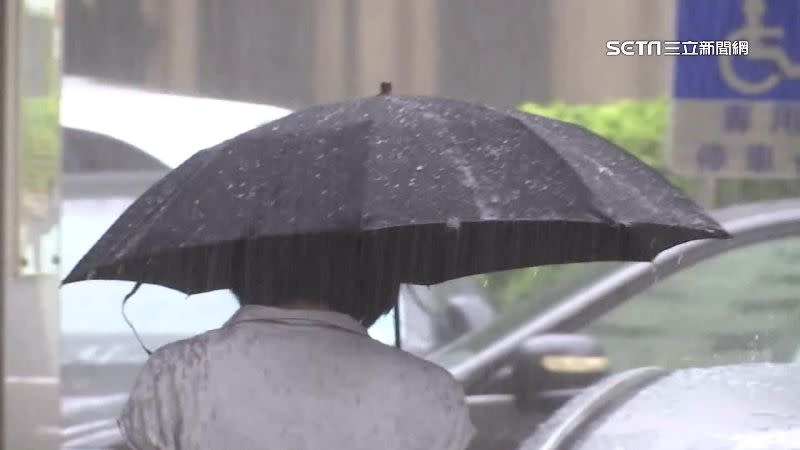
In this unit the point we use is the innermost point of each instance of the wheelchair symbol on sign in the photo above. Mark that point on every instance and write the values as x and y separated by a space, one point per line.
755 32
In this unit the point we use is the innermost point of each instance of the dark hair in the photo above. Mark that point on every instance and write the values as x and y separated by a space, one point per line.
340 283
365 303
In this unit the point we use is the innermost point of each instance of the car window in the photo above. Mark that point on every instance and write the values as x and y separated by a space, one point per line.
739 306
562 280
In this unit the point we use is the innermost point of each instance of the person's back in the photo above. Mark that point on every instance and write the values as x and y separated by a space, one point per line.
293 379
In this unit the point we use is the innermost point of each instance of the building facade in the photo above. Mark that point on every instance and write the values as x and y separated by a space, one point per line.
298 52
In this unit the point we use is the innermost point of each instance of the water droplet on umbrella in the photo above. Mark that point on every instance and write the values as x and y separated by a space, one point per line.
453 222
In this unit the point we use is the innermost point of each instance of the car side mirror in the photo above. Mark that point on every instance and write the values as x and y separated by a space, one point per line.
550 369
464 314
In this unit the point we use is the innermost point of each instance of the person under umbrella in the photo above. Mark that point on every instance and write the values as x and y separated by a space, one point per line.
315 219
295 368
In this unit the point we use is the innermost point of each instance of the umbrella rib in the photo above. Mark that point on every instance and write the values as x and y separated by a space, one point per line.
153 218
130 324
543 135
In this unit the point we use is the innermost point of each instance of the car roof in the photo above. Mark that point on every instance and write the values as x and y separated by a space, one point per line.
167 126
718 407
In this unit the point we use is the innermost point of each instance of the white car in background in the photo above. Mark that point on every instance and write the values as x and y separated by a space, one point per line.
117 141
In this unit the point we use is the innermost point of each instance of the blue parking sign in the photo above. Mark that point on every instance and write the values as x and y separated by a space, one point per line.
770 71
737 113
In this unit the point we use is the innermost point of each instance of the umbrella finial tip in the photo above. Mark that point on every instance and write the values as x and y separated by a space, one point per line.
386 88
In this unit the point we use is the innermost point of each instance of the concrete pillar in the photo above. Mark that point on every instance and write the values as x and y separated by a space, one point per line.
173 65
182 50
329 53
377 39
422 35
360 43
582 72
152 12
30 413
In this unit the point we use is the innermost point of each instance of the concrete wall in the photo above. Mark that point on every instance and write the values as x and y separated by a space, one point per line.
297 52
30 414
580 69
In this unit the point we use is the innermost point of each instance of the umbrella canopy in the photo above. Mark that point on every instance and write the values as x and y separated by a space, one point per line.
415 189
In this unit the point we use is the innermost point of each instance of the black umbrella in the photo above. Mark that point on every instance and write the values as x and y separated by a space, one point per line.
414 189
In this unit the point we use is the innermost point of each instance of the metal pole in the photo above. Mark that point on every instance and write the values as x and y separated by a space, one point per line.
7 15
29 413
397 341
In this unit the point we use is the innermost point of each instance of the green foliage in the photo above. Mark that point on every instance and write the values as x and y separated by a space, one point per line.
40 157
637 126
537 284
